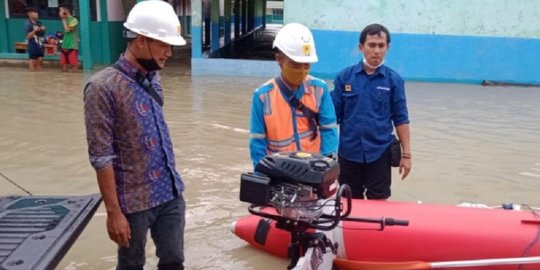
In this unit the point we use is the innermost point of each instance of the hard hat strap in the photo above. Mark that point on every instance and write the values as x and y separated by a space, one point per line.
144 83
312 116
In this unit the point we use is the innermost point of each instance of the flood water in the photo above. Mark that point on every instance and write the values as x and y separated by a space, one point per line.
469 144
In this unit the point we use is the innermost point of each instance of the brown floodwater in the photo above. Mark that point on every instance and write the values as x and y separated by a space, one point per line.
469 144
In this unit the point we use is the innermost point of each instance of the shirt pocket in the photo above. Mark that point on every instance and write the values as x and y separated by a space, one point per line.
381 100
350 101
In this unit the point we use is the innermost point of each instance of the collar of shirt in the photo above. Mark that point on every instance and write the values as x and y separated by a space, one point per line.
131 70
295 92
379 71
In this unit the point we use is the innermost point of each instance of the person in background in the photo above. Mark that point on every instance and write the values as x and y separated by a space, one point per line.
129 143
69 56
34 31
369 99
293 111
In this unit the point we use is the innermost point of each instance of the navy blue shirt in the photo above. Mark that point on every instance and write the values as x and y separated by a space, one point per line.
35 43
366 106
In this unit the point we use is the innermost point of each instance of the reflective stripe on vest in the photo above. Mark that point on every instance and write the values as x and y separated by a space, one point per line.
278 120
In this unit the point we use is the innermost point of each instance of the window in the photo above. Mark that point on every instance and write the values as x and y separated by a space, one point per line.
48 9
278 12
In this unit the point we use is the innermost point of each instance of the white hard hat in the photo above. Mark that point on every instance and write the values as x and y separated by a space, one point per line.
296 41
155 19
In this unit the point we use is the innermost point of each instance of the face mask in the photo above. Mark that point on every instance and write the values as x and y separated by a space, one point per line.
150 64
370 66
294 76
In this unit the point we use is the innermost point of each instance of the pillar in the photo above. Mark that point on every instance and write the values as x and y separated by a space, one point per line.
84 31
207 22
227 22
237 19
196 28
104 25
264 13
244 16
215 35
4 46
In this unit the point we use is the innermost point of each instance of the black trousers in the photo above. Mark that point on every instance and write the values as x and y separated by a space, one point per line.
367 180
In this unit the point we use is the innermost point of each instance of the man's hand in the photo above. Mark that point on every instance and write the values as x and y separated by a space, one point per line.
118 228
332 156
405 166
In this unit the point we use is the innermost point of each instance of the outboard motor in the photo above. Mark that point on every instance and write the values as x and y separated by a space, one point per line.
303 189
295 183
300 191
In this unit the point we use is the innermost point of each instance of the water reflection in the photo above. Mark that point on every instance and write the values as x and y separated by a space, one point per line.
469 143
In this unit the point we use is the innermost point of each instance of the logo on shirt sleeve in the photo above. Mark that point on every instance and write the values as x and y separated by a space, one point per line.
348 88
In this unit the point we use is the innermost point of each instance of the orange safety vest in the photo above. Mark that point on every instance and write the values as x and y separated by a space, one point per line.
278 119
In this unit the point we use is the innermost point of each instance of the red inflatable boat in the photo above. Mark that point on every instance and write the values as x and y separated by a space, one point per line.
435 233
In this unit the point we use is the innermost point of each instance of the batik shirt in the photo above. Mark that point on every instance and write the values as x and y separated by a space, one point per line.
126 129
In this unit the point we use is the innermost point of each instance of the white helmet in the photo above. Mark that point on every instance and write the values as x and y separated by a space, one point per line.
155 19
296 41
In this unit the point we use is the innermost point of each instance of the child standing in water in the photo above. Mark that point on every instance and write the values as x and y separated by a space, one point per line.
34 31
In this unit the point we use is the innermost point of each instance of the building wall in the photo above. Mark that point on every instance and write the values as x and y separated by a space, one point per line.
117 44
259 12
502 18
213 15
274 12
105 43
432 40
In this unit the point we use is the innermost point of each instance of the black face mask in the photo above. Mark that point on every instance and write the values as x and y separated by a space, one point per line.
148 64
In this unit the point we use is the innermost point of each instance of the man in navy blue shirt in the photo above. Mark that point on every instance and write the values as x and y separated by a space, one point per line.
34 32
370 101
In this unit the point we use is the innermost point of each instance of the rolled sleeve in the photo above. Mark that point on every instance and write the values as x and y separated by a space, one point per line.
98 116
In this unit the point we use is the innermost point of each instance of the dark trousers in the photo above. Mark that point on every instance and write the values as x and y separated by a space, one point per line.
166 224
367 180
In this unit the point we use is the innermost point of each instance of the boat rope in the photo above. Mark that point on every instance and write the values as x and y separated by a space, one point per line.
15 184
535 240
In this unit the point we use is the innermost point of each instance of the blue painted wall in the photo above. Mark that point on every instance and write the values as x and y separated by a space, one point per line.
259 20
448 58
433 40
196 41
495 18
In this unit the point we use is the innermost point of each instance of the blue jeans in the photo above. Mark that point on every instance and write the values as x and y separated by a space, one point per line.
166 223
